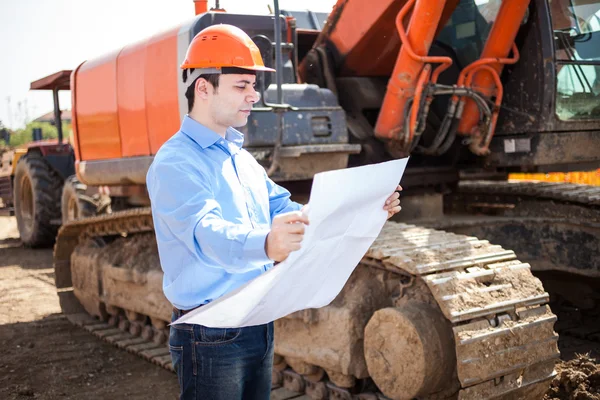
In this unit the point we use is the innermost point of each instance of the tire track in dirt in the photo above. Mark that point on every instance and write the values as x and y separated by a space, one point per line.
43 355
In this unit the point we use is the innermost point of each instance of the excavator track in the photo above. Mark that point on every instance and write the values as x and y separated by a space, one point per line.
71 234
503 330
554 226
564 192
502 326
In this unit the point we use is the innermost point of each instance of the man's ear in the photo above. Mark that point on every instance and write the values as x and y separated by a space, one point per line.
202 88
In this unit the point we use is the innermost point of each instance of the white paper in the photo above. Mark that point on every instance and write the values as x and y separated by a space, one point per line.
346 215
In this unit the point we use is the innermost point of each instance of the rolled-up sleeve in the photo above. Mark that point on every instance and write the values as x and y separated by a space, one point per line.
184 202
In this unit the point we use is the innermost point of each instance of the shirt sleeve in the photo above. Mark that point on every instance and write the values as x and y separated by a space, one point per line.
184 203
279 199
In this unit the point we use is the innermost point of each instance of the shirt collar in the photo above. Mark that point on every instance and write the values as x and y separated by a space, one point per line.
206 137
235 139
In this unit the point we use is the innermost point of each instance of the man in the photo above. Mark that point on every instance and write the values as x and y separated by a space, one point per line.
219 220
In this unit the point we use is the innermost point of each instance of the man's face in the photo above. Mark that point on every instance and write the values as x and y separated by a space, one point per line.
230 105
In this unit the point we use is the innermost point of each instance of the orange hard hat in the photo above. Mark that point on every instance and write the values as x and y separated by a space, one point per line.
223 46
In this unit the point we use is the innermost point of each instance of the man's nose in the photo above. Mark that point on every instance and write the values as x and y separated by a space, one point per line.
253 96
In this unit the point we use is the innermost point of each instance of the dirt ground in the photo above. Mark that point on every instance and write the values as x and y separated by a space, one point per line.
45 357
578 379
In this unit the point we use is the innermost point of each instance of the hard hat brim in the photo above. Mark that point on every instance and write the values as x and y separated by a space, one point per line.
250 68
261 68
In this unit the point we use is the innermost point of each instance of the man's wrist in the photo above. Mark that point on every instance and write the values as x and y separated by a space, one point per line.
255 249
267 246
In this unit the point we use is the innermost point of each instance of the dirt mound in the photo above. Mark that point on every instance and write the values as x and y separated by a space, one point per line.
578 379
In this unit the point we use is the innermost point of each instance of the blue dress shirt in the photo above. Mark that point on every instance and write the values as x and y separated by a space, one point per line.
212 206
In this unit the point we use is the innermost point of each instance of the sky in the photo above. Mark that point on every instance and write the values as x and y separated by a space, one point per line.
40 37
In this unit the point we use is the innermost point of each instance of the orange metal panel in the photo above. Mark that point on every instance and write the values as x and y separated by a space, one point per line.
131 95
424 22
162 73
74 113
364 34
200 6
96 102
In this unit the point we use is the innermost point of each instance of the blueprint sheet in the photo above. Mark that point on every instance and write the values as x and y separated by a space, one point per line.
346 215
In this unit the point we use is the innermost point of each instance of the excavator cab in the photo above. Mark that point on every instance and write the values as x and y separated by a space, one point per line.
576 27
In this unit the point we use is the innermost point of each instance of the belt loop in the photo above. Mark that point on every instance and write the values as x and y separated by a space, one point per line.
181 313
177 312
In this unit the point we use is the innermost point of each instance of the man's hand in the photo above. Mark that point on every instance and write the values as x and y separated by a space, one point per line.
286 235
392 204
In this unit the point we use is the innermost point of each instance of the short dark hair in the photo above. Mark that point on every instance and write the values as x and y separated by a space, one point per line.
213 79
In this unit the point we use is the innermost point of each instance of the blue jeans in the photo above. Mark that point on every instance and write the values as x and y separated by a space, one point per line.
222 364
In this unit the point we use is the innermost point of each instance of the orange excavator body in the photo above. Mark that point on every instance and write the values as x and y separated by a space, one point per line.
125 104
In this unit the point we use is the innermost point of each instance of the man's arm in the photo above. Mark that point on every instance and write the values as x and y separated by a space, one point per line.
184 205
279 199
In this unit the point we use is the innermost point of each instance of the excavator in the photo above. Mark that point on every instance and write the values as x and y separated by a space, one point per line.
444 304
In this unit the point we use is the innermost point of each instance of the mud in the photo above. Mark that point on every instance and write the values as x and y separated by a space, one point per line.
424 256
138 251
578 379
576 303
517 284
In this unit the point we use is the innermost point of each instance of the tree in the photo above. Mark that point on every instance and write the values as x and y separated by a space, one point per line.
49 131
4 135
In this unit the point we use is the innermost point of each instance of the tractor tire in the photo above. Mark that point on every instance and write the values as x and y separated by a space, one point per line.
37 190
75 203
